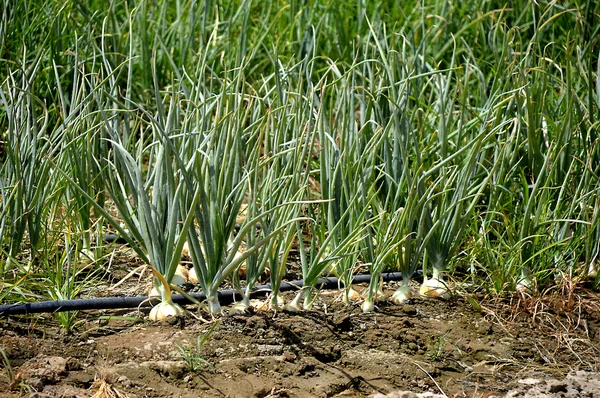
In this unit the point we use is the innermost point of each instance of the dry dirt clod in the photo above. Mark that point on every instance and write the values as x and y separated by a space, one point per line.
43 370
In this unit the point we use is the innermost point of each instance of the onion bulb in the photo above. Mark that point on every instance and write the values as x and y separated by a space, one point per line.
276 302
193 276
524 284
240 307
368 305
167 308
350 294
294 305
402 294
181 276
434 287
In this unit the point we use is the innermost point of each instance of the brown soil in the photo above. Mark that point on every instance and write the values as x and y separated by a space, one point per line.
441 346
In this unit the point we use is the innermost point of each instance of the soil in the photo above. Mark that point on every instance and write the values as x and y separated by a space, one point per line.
457 347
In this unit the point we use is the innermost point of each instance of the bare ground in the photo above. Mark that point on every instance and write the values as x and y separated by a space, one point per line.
451 347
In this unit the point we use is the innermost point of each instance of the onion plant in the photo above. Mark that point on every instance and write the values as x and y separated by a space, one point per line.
213 247
147 191
81 147
27 171
338 222
396 240
153 213
388 240
281 149
451 210
215 161
317 258
347 169
278 185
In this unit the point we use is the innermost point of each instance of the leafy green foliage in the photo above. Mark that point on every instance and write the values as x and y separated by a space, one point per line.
478 119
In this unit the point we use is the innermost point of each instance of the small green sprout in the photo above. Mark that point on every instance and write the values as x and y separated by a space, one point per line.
192 356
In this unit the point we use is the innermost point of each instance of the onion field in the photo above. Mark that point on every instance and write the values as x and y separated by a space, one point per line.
318 198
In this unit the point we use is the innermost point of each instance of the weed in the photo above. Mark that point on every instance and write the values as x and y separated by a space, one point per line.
192 355
435 351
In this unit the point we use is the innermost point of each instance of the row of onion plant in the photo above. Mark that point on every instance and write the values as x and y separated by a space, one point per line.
393 146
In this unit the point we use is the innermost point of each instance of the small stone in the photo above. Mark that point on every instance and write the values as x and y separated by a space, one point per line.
402 394
343 322
289 356
73 364
429 395
39 395
485 329
124 381
43 370
261 392
56 365
555 388
255 322
269 349
529 381
175 369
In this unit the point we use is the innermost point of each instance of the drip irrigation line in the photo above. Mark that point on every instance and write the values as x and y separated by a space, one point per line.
114 238
225 297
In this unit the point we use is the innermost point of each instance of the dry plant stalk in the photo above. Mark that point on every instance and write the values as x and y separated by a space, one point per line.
106 390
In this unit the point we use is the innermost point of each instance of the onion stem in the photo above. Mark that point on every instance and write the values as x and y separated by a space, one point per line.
213 304
309 299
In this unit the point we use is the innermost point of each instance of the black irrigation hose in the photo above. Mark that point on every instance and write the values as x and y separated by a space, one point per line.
113 238
225 297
